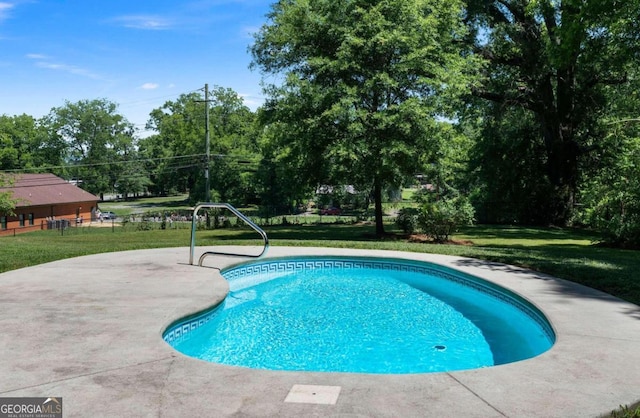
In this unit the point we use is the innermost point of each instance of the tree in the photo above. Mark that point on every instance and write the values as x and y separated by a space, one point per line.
448 168
281 185
555 59
236 146
24 145
96 139
14 146
508 161
178 150
358 99
610 195
7 203
131 178
157 157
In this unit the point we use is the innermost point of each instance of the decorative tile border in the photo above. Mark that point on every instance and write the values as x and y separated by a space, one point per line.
178 330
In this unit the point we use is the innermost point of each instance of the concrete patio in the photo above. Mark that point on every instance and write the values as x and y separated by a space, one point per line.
89 330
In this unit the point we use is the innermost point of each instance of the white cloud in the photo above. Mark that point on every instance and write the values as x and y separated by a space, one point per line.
72 69
43 61
4 10
251 100
37 56
149 86
144 22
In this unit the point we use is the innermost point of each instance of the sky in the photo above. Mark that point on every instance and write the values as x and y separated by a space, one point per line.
137 54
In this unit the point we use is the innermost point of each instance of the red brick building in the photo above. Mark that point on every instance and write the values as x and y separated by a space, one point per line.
43 200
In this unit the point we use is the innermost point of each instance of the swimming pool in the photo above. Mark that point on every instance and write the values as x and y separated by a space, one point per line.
360 314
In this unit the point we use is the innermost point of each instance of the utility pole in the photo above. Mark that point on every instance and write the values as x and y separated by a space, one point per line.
208 153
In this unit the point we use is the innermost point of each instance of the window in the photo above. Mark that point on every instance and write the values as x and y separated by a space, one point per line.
3 222
31 219
21 219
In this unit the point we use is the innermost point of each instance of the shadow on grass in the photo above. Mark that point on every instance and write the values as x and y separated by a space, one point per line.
142 204
317 232
531 234
594 288
613 272
607 270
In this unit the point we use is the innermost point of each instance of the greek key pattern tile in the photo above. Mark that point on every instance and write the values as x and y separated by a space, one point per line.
179 330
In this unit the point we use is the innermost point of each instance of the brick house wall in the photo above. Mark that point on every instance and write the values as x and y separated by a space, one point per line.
32 218
45 197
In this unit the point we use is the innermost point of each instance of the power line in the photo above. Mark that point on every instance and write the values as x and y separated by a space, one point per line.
239 159
71 166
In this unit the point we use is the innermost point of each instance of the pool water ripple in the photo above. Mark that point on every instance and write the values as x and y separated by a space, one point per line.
363 319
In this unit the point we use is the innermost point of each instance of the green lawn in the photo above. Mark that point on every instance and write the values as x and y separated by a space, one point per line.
564 253
147 204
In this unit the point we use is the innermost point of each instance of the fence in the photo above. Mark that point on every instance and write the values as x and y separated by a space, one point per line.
46 224
20 230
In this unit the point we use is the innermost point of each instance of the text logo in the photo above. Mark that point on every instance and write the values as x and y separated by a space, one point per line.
31 407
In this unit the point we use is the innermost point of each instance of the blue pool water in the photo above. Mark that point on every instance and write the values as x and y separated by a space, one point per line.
362 315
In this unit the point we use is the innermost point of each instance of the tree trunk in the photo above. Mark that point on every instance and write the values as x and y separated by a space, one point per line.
563 152
377 197
562 169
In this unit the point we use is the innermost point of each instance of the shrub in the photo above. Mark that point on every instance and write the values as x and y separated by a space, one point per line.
611 198
144 225
407 220
617 217
443 217
623 232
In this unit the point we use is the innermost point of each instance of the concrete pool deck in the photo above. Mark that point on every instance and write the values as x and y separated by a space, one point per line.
89 330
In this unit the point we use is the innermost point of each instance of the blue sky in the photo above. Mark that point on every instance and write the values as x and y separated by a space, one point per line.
136 53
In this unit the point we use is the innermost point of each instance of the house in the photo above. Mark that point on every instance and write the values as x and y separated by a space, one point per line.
45 201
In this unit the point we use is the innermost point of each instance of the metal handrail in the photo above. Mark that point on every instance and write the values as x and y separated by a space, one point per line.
239 215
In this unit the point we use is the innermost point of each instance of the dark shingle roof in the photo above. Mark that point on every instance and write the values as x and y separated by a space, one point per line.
45 189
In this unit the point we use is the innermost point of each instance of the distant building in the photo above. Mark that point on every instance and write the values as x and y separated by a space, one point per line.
44 201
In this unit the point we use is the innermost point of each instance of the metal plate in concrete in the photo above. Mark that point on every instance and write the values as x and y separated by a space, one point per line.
324 395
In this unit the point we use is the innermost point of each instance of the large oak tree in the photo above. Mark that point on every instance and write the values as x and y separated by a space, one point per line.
358 80
556 60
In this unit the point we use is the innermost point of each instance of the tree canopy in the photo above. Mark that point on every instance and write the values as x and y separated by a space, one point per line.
25 144
527 108
358 102
556 61
176 153
7 202
94 138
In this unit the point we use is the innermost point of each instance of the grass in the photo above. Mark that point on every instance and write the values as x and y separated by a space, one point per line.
564 253
147 204
159 205
627 411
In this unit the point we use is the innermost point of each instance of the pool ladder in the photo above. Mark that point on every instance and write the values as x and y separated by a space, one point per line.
236 212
